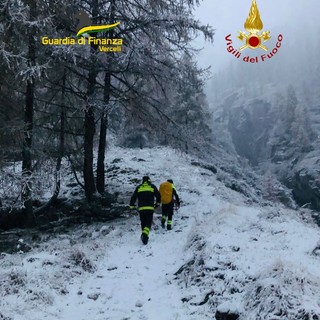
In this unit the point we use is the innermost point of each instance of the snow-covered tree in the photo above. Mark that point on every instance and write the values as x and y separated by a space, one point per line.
21 22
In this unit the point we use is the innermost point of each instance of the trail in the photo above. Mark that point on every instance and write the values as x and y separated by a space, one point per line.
134 281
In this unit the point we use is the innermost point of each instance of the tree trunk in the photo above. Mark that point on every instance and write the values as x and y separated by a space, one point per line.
28 127
89 123
62 138
103 137
186 143
61 151
104 117
89 129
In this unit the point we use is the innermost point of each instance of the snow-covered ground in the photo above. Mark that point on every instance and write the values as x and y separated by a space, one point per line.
222 254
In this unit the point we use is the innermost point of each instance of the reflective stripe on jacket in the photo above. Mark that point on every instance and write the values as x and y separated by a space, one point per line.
146 194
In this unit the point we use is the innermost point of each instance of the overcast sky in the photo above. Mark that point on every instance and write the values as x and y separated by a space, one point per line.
288 17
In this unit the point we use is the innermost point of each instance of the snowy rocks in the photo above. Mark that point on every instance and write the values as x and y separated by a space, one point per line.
23 246
316 250
105 230
2 317
64 291
113 168
304 181
226 315
93 296
112 267
206 166
139 304
138 159
116 160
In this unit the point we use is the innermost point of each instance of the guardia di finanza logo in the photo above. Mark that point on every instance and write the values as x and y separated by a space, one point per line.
253 39
85 28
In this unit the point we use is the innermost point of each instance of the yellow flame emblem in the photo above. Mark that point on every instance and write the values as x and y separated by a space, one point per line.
254 25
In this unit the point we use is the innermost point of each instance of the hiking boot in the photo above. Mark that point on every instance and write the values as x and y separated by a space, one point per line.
144 238
163 224
169 227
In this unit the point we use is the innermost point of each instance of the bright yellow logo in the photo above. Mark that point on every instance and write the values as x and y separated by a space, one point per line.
101 28
254 25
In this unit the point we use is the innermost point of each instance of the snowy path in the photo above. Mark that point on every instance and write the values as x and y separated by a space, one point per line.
133 281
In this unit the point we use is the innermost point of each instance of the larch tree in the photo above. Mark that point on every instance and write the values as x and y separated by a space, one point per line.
21 22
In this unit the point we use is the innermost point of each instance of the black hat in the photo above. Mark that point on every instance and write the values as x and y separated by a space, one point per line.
170 180
146 179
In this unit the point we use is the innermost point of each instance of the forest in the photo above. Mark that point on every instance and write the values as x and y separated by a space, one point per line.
59 101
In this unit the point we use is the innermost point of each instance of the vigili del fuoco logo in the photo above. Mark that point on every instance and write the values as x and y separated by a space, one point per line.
254 40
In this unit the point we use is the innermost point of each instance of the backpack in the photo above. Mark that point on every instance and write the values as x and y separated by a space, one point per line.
166 192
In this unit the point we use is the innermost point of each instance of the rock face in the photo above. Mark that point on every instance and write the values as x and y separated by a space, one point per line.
221 315
262 131
305 181
249 126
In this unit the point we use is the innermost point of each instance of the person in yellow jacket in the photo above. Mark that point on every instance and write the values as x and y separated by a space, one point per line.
168 194
145 193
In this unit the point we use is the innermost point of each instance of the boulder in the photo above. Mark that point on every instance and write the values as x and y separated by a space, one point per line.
226 315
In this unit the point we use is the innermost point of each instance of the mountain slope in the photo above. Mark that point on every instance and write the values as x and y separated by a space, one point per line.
222 255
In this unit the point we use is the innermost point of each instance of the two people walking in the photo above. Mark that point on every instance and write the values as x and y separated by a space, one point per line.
149 198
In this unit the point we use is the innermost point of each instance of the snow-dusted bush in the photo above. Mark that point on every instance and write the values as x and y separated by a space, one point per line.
12 282
282 293
41 296
79 258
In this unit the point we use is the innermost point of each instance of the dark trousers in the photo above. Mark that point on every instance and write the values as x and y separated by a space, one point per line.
146 217
167 212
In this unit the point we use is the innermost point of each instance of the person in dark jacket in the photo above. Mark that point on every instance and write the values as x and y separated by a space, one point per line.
145 193
169 196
